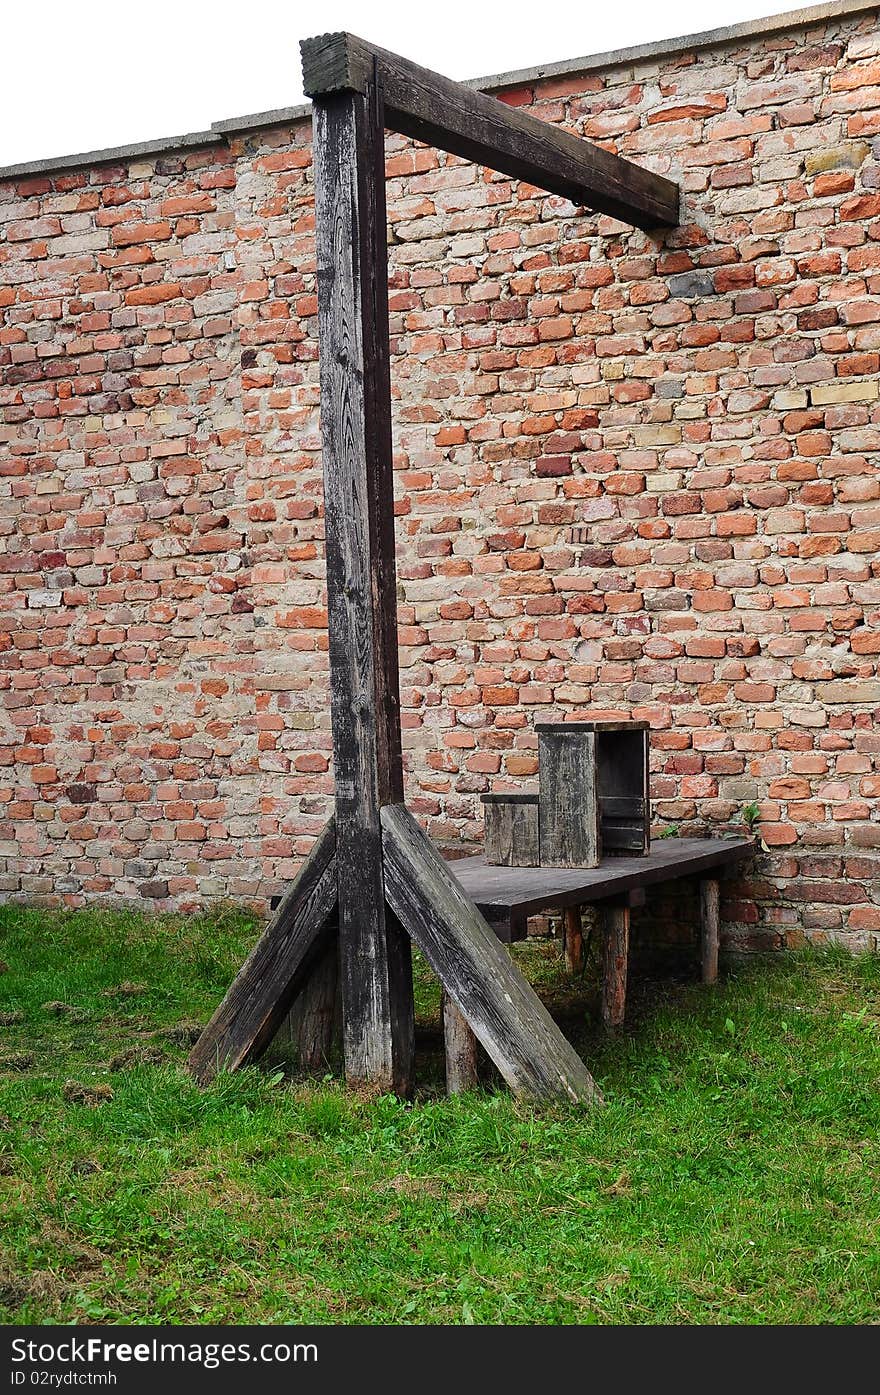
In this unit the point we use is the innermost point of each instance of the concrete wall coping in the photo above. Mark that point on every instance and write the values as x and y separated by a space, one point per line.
220 131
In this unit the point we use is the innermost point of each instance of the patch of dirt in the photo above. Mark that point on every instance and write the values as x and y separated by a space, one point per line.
467 1202
405 1185
58 1009
18 1060
83 1167
137 1056
126 990
9 1019
221 1189
622 1186
40 1285
13 1290
75 1092
181 1034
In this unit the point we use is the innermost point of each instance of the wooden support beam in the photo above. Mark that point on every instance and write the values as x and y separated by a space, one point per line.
573 939
615 954
710 928
502 1009
461 1049
352 273
275 969
454 117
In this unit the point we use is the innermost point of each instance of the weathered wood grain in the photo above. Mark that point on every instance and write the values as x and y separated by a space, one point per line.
501 1008
276 968
568 810
710 928
352 273
615 957
573 939
461 1049
499 892
432 108
511 829
304 1041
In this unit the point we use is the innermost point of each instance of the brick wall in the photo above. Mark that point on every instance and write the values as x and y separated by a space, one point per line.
636 475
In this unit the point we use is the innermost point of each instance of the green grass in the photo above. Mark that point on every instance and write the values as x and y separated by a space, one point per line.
731 1177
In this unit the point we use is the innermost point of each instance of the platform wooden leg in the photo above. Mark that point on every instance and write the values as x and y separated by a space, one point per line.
461 1049
573 939
615 952
710 929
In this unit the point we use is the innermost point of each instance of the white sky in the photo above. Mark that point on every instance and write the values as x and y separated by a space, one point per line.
79 75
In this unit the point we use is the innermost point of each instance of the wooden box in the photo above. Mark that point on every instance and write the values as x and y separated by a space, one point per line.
511 836
594 792
622 785
568 817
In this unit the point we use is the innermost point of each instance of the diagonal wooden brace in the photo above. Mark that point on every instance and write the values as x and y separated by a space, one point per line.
275 969
502 1009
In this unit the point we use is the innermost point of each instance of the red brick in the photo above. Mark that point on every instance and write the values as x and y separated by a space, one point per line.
127 234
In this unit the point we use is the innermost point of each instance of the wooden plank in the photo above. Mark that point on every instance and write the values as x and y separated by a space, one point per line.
622 806
304 1041
352 274
525 891
573 939
461 1049
275 969
568 812
434 109
710 928
622 724
511 829
501 1008
615 956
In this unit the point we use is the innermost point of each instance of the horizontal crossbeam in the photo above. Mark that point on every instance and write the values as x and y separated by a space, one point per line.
434 109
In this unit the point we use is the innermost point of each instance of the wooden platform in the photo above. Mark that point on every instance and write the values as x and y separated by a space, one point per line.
506 896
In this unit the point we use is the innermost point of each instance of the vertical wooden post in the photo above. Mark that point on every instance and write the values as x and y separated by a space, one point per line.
573 939
615 953
351 236
461 1049
710 929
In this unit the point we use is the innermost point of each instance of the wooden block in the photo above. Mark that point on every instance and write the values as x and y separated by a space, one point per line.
511 829
502 1009
568 815
710 929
